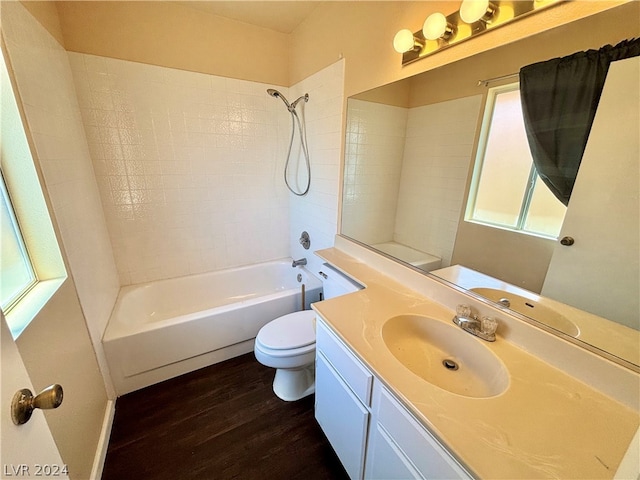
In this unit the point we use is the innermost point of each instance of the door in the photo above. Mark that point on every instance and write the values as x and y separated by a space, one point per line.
603 215
26 451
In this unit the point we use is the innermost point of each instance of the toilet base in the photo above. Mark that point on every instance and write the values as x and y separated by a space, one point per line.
293 384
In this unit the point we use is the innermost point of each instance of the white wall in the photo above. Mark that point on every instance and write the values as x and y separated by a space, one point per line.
46 87
373 163
411 188
188 165
61 343
437 158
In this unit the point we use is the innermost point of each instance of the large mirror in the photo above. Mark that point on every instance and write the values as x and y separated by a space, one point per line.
415 160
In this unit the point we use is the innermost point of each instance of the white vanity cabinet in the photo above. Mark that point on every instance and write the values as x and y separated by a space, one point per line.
374 435
343 394
401 448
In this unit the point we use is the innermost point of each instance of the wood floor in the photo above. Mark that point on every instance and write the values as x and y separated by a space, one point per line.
221 422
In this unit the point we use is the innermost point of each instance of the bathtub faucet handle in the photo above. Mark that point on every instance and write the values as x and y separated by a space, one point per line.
302 261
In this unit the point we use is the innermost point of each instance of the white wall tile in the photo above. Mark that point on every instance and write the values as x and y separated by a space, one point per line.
373 162
316 212
182 157
437 158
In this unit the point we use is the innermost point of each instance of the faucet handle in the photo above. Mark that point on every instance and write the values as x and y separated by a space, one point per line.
489 325
464 311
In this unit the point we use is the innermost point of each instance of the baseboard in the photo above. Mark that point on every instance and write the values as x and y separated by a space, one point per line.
103 443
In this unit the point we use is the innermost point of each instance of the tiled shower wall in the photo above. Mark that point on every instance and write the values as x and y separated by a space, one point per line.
317 212
373 162
437 158
405 171
188 166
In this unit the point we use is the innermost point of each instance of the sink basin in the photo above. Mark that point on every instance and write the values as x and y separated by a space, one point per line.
531 309
445 356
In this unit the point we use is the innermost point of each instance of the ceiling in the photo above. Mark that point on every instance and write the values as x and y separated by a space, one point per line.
281 16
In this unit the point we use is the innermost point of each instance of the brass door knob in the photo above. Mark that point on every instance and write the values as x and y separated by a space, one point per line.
24 403
567 241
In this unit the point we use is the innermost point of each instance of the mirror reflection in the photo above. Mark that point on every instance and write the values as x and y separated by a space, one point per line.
439 174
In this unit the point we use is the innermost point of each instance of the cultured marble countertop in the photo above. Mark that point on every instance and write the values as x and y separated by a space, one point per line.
546 424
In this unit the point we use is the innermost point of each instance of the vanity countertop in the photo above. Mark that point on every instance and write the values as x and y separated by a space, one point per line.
547 424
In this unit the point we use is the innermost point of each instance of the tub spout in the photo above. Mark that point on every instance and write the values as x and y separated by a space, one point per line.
302 261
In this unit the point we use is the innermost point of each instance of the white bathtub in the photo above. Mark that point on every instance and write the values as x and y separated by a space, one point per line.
166 328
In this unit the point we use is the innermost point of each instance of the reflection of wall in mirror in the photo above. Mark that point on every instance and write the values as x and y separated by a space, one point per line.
417 161
373 156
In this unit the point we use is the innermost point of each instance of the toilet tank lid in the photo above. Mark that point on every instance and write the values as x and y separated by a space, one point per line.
294 330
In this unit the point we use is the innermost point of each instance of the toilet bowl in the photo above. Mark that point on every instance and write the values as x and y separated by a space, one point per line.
288 343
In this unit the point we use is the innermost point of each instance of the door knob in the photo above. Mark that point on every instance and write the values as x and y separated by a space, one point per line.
567 241
24 403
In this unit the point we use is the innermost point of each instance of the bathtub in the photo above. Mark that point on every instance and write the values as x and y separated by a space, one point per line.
163 329
422 260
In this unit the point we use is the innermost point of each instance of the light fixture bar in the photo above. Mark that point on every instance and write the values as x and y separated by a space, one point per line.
498 13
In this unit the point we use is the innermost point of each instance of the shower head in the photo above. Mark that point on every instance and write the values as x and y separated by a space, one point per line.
304 97
277 94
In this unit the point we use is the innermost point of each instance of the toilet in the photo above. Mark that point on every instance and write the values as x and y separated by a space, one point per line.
288 343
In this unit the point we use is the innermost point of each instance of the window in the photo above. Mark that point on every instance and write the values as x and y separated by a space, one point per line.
506 190
16 272
31 264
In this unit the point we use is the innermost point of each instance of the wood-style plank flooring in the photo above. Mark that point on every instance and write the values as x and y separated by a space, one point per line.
220 422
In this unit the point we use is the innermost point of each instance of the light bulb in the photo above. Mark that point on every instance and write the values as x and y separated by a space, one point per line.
473 10
435 26
403 41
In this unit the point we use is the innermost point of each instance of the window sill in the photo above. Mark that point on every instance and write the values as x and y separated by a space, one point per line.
513 230
28 307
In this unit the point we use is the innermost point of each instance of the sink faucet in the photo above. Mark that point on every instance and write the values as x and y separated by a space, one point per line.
302 261
505 302
467 323
484 328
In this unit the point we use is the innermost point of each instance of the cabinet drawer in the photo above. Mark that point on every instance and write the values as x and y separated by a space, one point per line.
428 456
354 374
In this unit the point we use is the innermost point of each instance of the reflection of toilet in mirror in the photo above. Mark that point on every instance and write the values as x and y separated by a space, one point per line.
288 343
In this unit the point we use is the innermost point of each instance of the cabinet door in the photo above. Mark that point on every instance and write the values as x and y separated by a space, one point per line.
342 417
385 461
417 445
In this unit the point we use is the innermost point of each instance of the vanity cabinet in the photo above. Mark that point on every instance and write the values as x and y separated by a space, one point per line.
372 433
343 393
400 447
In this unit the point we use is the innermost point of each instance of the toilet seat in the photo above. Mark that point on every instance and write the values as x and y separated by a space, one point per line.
292 352
291 334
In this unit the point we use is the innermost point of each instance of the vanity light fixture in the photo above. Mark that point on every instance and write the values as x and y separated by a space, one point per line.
474 18
436 26
472 11
405 41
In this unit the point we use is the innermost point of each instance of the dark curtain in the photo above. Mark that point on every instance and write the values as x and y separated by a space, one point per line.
559 101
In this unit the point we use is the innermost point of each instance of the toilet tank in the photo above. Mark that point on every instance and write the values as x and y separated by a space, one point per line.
335 283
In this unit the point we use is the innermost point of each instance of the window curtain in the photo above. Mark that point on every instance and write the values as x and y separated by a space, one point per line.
559 101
